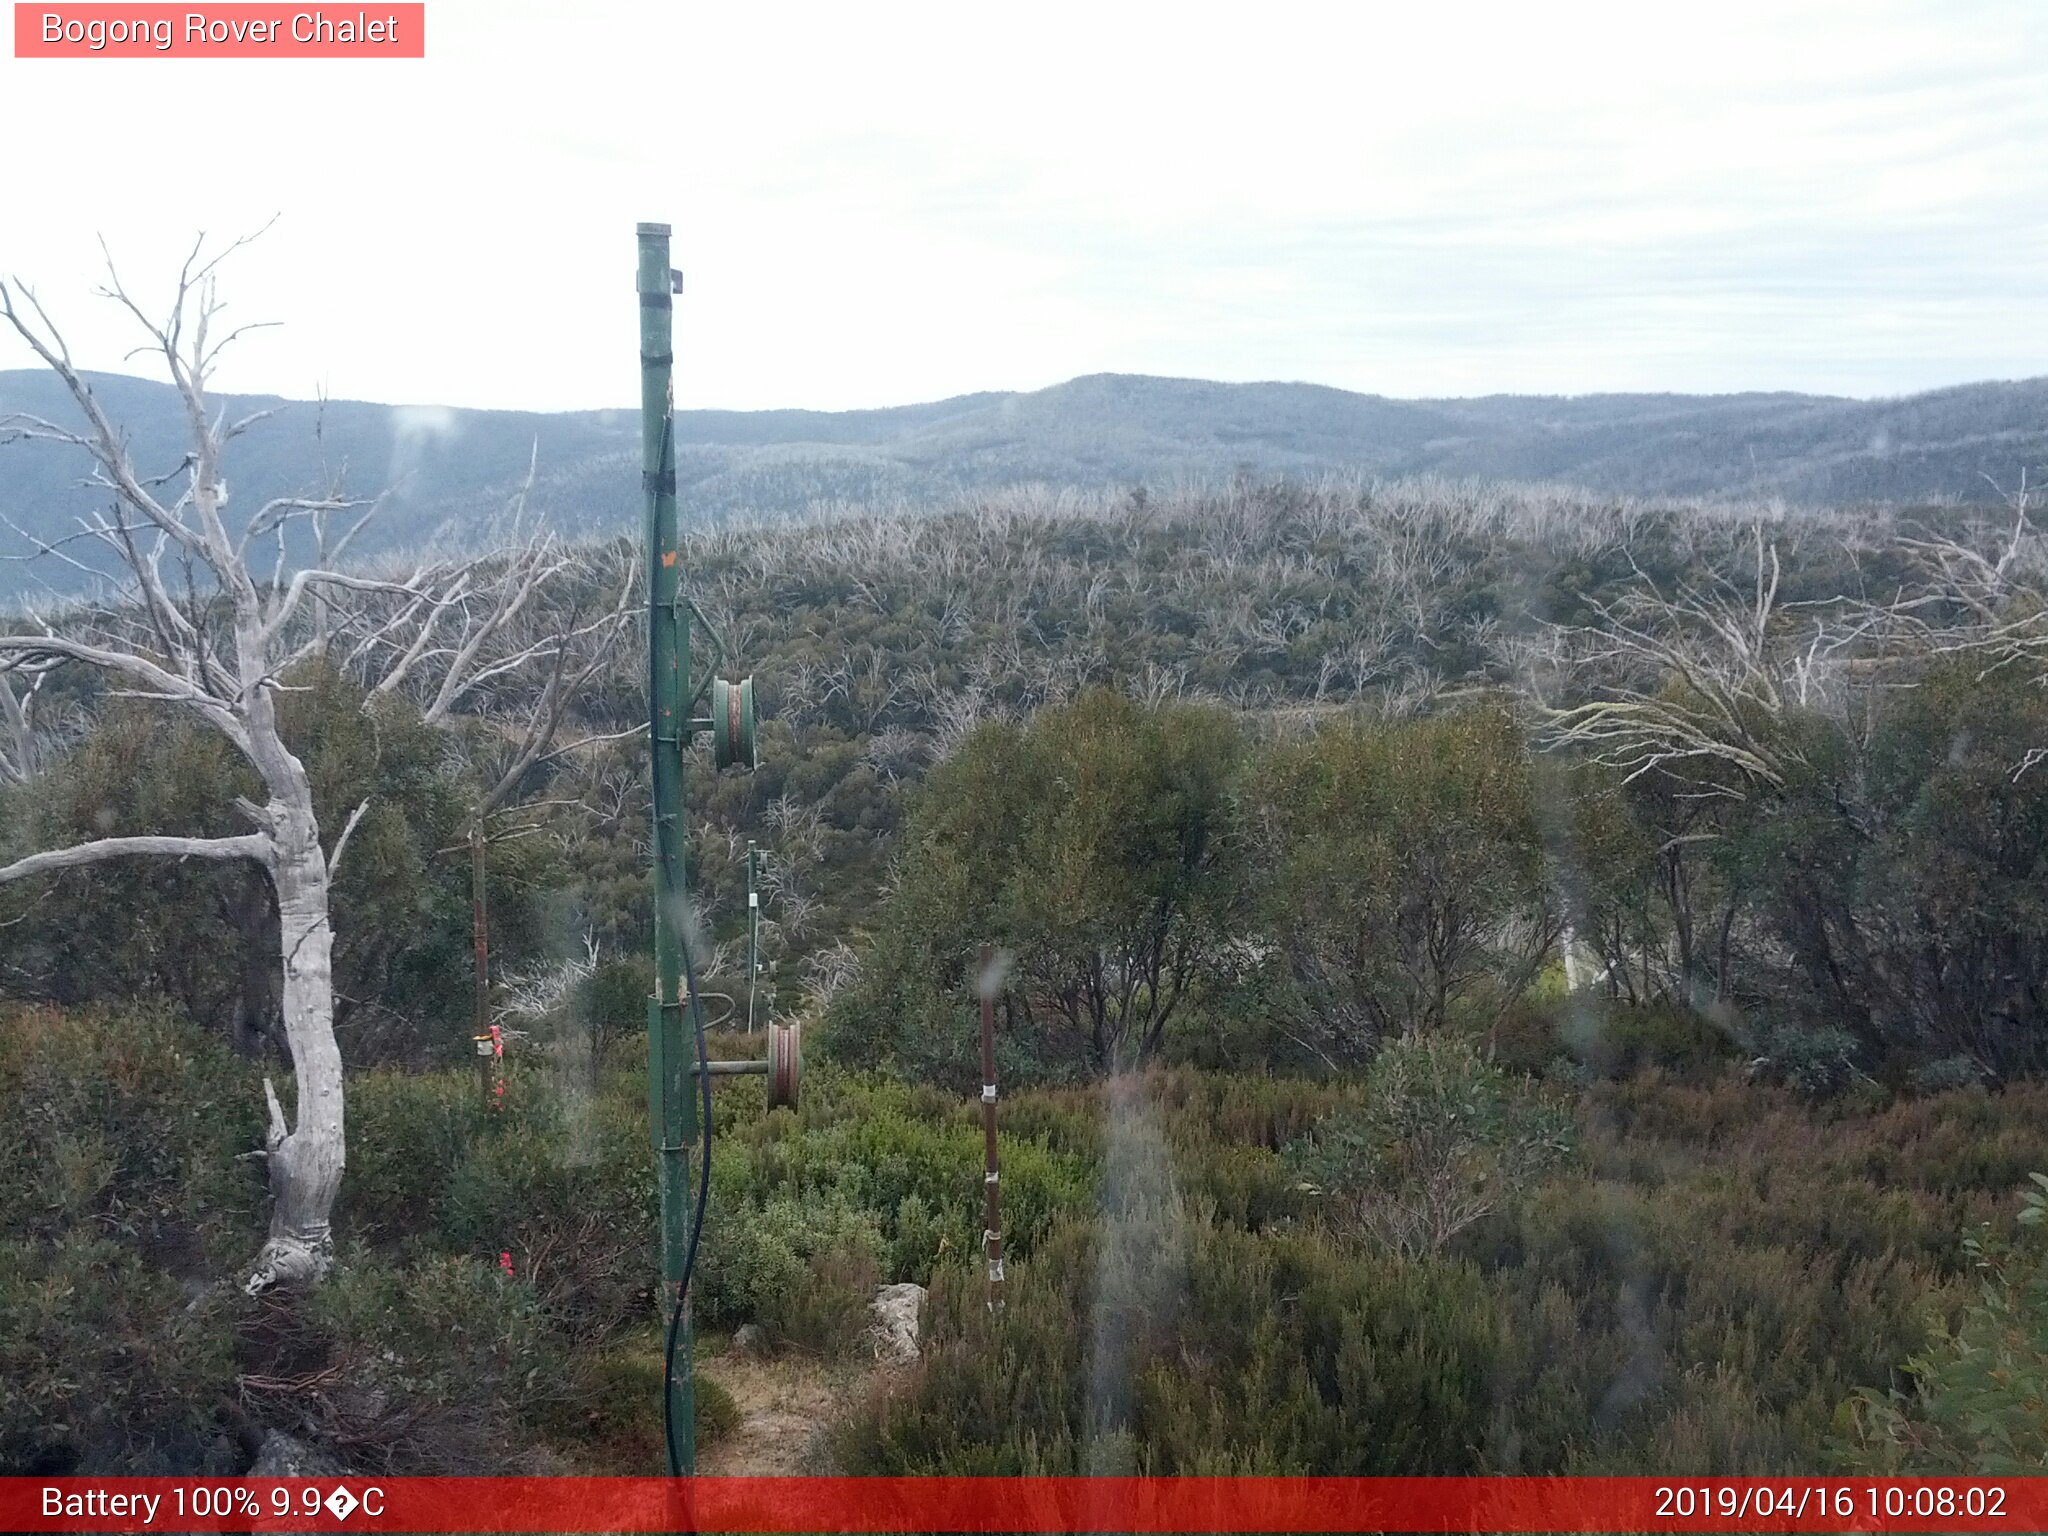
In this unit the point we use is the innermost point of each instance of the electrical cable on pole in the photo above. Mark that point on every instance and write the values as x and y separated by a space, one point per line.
679 1112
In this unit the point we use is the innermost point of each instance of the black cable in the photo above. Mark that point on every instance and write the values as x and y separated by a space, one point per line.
666 852
675 1318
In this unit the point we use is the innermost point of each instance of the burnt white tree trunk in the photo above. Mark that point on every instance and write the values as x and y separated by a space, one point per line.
220 649
306 1158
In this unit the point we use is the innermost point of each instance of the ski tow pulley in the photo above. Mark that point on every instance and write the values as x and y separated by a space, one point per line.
732 723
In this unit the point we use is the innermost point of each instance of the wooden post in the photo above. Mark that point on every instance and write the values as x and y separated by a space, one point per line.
486 1047
992 1196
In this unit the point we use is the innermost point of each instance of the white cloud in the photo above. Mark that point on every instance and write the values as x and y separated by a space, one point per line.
885 203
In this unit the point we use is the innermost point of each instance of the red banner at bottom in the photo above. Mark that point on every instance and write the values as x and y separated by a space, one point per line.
1136 1504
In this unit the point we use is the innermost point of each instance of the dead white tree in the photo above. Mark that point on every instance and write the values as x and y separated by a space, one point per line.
195 628
1697 683
1983 598
520 665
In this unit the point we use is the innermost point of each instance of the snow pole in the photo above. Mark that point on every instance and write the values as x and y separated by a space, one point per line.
753 930
991 1178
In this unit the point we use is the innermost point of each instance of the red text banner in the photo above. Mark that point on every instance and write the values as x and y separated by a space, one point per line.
223 31
1062 1504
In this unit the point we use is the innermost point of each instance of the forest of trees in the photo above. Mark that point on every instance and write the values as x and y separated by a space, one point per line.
1570 971
441 465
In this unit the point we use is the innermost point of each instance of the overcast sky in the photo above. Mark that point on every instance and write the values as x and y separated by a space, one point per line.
883 203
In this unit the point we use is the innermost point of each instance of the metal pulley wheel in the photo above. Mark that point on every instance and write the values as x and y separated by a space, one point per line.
732 723
785 1064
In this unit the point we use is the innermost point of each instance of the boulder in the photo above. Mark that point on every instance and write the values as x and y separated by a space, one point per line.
898 1312
282 1456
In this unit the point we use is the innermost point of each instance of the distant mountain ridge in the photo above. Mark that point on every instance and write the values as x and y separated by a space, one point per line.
451 468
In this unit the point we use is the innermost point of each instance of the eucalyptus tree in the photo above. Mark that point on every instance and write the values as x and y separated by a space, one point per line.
194 625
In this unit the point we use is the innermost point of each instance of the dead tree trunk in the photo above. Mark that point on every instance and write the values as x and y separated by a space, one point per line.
222 648
306 1159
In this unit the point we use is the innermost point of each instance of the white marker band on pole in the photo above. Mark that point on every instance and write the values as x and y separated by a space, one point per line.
988 1093
990 1178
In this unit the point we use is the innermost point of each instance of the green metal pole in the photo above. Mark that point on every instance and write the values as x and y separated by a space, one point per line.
672 1108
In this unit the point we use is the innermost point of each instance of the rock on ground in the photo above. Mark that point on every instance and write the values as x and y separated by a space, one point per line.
282 1456
898 1312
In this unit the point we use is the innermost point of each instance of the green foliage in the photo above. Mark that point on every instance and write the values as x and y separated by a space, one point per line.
1695 1293
1610 1037
121 1201
1089 845
1955 891
440 1365
1651 882
1901 871
1979 1399
559 1179
1442 1140
128 1123
617 1427
611 1004
1402 873
204 934
145 927
717 1414
804 1269
910 1157
1719 1268
107 1365
1262 1356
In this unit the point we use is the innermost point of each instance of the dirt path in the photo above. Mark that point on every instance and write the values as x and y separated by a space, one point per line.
787 1406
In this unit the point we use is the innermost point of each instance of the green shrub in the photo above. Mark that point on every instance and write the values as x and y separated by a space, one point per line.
108 1365
898 1151
611 1004
1442 1140
1401 874
561 1182
1948 1073
444 1365
408 1134
1618 1040
136 1123
1611 1037
717 1415
803 1268
1096 831
1979 1398
1819 1062
1273 1355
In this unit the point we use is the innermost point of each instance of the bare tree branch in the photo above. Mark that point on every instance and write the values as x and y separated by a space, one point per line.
249 845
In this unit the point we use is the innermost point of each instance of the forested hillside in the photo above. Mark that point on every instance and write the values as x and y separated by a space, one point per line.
442 469
1497 980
